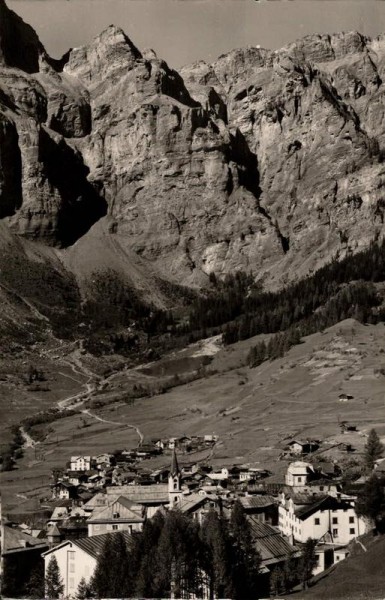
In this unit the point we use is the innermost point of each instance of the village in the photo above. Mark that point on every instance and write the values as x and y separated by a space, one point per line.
94 497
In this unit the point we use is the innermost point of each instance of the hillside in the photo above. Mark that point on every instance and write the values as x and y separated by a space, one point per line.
255 412
360 576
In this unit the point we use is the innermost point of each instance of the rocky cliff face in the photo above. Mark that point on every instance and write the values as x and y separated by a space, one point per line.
264 161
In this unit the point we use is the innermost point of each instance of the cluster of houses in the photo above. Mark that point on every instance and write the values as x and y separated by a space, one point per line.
90 502
87 474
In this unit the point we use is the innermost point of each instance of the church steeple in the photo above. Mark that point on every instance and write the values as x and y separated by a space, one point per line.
174 489
174 464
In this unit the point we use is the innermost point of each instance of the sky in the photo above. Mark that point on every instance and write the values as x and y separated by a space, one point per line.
183 31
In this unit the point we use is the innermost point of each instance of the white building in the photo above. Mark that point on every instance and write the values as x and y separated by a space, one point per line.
298 474
302 517
77 559
81 463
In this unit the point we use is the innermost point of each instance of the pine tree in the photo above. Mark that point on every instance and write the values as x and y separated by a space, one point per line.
84 590
371 500
245 558
54 587
143 556
177 558
290 575
373 449
307 562
35 584
216 556
112 577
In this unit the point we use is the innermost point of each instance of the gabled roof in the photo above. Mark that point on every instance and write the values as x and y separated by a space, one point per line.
133 512
328 502
192 502
269 542
141 494
260 501
93 545
15 540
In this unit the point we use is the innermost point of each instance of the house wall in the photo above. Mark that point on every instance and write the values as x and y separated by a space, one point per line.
296 479
347 527
80 463
109 527
74 564
296 448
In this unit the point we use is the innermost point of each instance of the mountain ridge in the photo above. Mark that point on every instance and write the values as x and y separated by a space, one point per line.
265 161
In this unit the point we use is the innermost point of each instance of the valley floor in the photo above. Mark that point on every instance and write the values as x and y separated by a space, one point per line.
255 412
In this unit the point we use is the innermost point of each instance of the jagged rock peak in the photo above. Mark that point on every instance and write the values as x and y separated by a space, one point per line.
321 48
111 50
20 46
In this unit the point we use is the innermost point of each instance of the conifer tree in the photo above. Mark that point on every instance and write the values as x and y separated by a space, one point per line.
371 500
112 577
54 586
35 584
307 562
143 556
373 449
177 559
245 558
84 590
216 556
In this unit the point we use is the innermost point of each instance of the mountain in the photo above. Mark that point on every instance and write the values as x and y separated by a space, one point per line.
267 162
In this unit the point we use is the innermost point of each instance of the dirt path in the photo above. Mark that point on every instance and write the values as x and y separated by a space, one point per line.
129 426
28 441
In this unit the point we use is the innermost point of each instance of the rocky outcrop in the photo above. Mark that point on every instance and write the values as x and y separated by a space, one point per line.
265 161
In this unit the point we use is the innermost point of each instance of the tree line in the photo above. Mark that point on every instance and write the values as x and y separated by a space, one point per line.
177 556
173 555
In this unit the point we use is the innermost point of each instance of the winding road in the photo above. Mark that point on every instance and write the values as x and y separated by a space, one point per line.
74 401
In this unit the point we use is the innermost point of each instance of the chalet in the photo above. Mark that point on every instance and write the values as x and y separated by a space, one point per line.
103 460
300 447
299 474
221 475
63 490
198 506
59 513
75 477
263 508
77 560
344 426
121 515
345 397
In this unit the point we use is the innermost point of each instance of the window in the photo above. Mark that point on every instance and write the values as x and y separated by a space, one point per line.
316 521
71 582
352 531
335 520
337 557
72 567
299 479
114 527
335 532
71 555
321 488
351 519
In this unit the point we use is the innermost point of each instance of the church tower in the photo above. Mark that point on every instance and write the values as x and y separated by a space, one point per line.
174 489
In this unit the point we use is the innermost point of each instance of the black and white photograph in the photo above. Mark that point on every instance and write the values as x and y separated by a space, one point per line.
192 299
